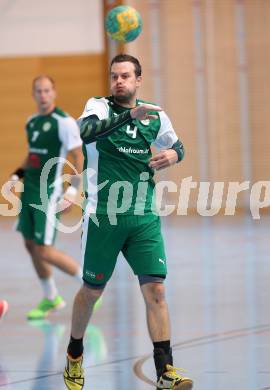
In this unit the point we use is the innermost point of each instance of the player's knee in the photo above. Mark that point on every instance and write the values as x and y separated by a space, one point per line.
91 294
158 293
43 251
154 294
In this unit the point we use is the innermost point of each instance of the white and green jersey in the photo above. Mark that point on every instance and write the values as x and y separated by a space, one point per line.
49 136
118 177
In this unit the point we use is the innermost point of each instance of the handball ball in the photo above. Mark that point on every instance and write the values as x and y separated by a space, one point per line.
123 23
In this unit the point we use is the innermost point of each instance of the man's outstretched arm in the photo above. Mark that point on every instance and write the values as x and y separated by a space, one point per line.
93 129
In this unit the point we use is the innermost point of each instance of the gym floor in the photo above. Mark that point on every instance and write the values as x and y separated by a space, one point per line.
218 292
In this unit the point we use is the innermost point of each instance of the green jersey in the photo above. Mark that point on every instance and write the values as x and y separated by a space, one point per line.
118 178
49 136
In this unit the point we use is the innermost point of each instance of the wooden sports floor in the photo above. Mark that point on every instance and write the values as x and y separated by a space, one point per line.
218 289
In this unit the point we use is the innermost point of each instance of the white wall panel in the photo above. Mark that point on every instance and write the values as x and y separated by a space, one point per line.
37 27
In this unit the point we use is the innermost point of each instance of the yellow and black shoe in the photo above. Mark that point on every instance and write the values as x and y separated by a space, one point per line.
74 373
170 379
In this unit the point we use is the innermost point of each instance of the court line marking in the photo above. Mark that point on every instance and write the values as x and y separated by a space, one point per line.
137 367
197 342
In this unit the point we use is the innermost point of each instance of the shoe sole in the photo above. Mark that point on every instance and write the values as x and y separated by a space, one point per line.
185 385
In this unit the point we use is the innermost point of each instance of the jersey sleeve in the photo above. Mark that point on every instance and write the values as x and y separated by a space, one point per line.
166 136
69 133
94 106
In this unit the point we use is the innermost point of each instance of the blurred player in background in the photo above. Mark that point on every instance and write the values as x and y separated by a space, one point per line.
51 133
3 308
118 132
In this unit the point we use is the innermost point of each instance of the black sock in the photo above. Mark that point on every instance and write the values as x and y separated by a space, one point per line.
165 345
162 356
75 347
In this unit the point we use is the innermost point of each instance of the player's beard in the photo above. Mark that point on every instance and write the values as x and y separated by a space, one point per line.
124 98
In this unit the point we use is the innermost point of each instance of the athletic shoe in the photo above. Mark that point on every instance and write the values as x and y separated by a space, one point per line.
3 308
171 380
45 307
74 373
167 378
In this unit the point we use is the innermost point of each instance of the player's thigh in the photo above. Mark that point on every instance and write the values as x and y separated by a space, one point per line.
45 224
144 248
101 244
25 222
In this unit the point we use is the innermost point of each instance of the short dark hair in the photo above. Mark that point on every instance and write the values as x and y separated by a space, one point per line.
42 77
128 58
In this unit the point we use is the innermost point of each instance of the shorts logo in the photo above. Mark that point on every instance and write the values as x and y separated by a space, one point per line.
161 261
91 274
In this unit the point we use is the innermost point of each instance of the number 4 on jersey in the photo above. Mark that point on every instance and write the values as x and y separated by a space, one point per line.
132 131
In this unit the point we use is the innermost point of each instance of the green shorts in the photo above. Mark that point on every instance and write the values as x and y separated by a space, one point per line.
37 225
137 237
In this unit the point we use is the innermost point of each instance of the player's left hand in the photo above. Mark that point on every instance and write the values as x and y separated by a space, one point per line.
68 200
163 159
